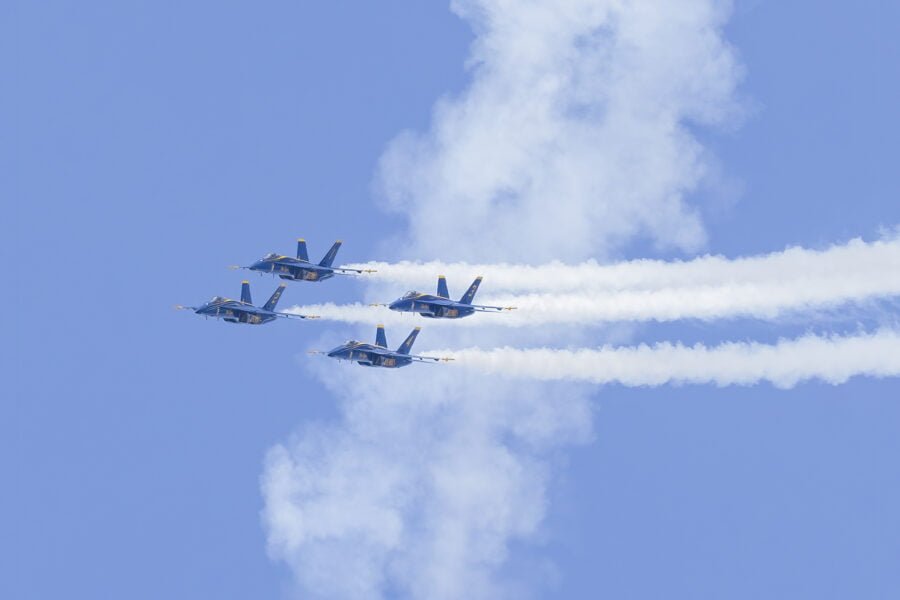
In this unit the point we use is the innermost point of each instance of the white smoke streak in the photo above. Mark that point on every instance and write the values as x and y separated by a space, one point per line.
707 288
830 359
664 305
856 267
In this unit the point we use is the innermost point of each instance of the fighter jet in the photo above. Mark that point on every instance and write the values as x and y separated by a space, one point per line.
378 355
243 311
300 269
441 306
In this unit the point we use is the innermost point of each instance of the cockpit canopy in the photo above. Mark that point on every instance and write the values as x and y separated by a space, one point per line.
410 294
270 256
217 299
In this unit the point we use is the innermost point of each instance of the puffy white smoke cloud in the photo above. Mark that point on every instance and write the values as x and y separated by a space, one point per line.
832 359
421 486
572 138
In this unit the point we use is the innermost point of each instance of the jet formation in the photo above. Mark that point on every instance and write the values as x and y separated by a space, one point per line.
300 268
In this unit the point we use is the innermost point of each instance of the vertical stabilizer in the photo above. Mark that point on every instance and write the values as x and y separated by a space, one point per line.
380 337
245 292
329 257
470 293
276 296
442 287
407 344
302 254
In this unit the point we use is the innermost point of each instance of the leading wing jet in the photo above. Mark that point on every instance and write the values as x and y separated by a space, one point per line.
300 268
441 306
243 311
377 354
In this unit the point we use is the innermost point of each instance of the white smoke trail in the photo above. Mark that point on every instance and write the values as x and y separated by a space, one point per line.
830 359
663 305
707 288
845 269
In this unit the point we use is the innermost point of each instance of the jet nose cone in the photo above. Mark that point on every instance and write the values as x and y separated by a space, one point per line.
395 305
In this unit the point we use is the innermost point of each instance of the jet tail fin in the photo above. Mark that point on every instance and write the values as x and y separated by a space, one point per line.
302 254
442 287
276 296
245 292
470 293
329 257
380 337
407 344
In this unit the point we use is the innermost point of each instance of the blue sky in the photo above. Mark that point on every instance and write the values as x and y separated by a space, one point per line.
153 145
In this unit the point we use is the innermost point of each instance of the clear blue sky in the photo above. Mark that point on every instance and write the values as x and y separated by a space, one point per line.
149 145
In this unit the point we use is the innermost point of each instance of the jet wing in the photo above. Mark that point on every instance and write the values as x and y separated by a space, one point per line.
454 304
441 302
285 262
255 310
380 351
290 262
414 357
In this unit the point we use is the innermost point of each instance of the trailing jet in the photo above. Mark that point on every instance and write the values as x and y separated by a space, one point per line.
378 355
243 311
300 269
441 306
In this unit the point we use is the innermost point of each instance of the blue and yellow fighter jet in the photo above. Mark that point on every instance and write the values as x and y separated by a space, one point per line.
243 311
300 269
441 306
378 355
